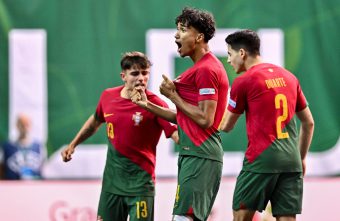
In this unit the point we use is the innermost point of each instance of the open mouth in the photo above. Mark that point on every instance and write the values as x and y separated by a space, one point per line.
179 46
141 86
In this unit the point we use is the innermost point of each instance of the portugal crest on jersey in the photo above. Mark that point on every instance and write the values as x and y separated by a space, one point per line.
137 118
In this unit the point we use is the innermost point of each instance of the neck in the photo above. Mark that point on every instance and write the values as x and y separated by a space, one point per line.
252 61
125 93
23 139
199 53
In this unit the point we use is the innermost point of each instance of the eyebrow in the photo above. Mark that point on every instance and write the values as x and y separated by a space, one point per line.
183 25
141 71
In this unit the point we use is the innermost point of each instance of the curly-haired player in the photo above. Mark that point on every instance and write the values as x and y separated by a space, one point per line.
200 95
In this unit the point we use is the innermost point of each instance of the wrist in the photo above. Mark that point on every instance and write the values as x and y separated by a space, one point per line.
173 96
146 105
72 145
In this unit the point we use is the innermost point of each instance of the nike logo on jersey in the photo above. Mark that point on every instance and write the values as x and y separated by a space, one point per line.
107 115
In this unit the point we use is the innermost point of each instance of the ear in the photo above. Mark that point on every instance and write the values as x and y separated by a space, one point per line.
200 37
243 53
122 76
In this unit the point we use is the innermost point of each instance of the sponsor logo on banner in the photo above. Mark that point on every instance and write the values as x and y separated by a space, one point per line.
62 211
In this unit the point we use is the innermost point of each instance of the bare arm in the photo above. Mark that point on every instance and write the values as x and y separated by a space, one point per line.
88 129
306 133
138 97
165 113
229 121
203 114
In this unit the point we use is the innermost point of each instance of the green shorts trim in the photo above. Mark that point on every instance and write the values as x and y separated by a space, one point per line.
116 207
198 183
283 190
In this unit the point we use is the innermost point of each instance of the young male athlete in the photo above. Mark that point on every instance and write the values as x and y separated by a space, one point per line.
133 133
274 162
200 95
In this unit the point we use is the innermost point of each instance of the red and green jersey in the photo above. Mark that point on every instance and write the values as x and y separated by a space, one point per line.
270 96
206 80
133 134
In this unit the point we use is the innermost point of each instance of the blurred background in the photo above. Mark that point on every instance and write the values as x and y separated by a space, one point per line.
57 56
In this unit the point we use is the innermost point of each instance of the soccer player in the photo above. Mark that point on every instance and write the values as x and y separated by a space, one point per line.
133 133
274 163
200 95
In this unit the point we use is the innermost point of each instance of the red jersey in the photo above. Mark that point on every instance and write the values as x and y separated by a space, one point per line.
206 80
133 134
270 96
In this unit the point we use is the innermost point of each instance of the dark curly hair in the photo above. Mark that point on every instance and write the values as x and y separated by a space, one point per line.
201 20
130 59
246 39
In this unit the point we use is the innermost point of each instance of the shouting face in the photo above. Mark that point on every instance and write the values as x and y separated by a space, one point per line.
186 39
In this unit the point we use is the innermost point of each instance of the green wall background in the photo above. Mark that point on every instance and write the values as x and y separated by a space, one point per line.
85 40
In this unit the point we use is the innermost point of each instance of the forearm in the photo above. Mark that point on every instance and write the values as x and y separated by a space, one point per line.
165 113
229 121
306 131
88 129
203 114
306 134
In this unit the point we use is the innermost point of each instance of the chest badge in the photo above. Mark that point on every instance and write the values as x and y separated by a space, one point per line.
137 118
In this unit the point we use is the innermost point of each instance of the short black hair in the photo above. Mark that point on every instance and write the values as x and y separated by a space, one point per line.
246 39
134 58
203 21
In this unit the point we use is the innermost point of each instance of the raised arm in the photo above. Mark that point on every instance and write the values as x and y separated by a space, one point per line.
88 129
203 114
306 134
165 113
139 97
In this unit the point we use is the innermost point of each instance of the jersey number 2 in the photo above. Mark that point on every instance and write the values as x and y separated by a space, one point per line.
281 99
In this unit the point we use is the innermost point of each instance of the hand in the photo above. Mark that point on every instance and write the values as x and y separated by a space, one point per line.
135 96
66 154
175 136
138 96
167 87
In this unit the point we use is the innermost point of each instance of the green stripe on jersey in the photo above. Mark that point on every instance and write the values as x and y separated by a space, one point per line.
209 149
123 177
283 155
